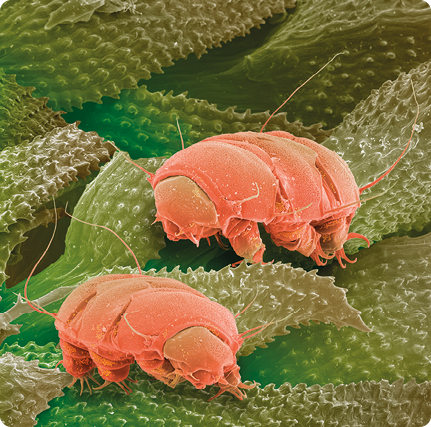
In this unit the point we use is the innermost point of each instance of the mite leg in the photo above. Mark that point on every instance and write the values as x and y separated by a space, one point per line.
302 238
77 363
245 239
167 374
334 233
116 371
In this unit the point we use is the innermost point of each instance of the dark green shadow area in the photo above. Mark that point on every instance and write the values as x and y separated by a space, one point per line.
217 62
140 130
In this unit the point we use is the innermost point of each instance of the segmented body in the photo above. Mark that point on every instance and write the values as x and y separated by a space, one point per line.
303 193
112 321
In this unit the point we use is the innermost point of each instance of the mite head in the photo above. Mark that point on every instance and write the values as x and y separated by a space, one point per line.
185 210
202 358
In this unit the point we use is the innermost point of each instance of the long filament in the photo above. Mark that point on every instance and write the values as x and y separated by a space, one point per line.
295 211
263 327
181 135
355 203
41 309
133 163
402 154
130 326
251 197
114 233
254 299
296 90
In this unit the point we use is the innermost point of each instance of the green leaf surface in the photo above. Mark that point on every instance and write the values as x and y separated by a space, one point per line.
354 405
33 171
77 63
23 117
370 403
145 123
370 140
380 40
393 293
389 284
25 389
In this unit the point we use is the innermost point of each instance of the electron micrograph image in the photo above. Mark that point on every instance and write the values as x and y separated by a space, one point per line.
215 213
